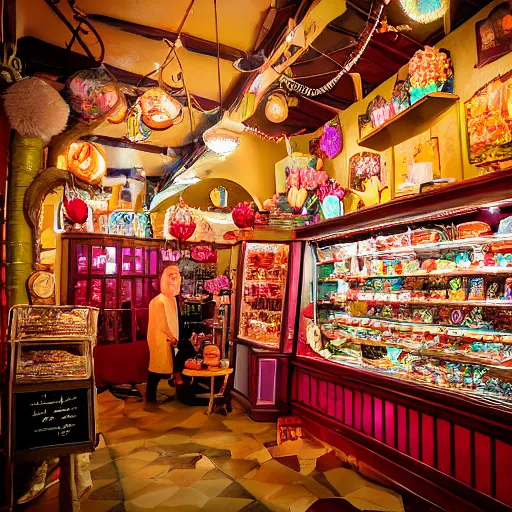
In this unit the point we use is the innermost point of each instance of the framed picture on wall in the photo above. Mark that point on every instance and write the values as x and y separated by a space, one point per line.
489 122
494 35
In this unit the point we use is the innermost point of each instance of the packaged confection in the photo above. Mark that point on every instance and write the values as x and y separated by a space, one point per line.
473 229
385 243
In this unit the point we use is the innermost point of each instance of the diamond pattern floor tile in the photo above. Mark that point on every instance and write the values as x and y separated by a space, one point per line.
174 458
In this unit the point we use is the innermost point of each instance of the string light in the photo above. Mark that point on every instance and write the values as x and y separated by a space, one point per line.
362 43
272 138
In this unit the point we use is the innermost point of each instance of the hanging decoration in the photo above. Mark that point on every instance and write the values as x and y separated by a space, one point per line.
276 108
331 141
91 94
181 223
362 42
120 111
224 137
425 11
159 109
87 161
243 216
137 130
76 209
272 138
430 70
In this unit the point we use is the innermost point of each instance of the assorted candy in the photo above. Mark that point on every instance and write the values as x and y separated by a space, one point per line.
430 304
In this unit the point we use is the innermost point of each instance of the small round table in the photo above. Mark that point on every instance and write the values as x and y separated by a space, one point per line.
221 372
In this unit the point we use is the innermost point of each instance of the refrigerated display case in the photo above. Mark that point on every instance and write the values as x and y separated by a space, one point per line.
404 356
268 276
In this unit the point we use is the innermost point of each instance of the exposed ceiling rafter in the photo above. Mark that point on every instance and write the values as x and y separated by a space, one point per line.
191 43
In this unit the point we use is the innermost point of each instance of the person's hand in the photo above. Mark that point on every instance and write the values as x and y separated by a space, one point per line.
172 341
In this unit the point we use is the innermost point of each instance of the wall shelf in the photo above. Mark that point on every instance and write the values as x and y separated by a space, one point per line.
408 123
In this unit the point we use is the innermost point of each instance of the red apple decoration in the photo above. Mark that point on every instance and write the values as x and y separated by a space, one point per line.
76 210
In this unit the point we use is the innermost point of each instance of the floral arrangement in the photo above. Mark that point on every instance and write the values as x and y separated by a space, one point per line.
307 188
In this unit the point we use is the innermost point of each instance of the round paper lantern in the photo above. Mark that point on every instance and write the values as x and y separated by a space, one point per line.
243 216
276 109
159 109
181 222
87 161
120 112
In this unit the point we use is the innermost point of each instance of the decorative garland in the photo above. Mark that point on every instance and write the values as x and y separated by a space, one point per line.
272 138
362 42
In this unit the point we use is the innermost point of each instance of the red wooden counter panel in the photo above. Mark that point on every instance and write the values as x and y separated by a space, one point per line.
439 445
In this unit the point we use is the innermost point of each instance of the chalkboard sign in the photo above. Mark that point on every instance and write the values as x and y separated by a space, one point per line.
52 418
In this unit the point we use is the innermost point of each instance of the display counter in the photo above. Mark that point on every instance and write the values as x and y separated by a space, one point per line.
404 355
265 326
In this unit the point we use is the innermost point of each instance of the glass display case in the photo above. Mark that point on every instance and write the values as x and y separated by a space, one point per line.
52 343
265 269
430 304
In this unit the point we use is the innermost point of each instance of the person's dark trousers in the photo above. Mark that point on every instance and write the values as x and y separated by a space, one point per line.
152 385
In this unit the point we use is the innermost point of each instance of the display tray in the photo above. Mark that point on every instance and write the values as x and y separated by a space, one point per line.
52 361
37 322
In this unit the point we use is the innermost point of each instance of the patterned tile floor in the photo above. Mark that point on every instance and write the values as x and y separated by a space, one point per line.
175 458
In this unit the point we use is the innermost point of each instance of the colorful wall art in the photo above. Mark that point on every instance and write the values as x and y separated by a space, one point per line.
362 166
494 35
489 122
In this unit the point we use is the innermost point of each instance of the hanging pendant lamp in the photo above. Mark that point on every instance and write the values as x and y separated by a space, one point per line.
224 137
425 11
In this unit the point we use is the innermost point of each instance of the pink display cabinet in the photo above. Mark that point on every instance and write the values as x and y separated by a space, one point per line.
267 292
119 275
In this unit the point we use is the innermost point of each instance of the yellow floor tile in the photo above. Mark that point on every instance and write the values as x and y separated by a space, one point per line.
288 494
126 467
259 490
133 487
151 471
155 495
185 477
144 455
98 505
226 504
212 488
302 504
372 498
344 480
276 473
187 496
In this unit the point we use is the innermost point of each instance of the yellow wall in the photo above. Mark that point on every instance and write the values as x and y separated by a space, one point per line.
453 150
252 166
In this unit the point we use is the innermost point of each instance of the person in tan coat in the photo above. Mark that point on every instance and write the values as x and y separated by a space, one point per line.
163 330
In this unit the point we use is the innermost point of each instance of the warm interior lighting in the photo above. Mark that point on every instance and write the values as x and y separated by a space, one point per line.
276 109
425 11
224 137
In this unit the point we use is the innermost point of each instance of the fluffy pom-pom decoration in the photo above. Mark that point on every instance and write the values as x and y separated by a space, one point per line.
35 109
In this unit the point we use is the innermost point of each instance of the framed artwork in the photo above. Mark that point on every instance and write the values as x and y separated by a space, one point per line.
489 122
494 35
362 166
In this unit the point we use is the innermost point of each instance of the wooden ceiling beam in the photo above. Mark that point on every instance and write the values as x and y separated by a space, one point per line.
191 43
146 148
